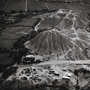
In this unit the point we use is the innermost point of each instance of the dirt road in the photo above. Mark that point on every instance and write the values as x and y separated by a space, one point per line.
66 62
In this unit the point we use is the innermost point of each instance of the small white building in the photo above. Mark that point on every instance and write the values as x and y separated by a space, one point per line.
39 57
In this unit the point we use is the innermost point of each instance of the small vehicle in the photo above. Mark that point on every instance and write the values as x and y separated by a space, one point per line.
29 59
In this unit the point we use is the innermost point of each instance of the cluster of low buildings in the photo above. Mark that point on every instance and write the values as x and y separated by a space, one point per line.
43 76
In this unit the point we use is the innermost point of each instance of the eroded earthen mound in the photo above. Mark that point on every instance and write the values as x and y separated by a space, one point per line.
50 42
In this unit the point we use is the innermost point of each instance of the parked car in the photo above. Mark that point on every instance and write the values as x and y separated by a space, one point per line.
32 59
28 59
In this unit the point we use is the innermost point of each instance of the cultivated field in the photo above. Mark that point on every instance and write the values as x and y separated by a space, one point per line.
65 46
11 34
38 5
20 5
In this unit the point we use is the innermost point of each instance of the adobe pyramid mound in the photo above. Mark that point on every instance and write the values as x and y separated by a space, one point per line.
51 41
65 19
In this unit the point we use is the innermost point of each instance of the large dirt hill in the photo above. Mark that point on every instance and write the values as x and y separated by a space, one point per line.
71 40
50 41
